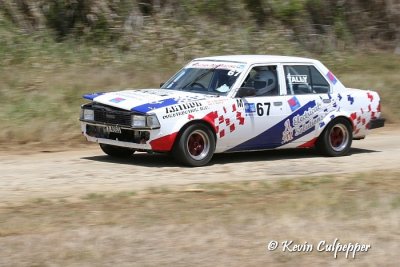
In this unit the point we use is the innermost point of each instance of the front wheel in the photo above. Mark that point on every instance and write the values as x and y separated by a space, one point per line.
336 139
195 146
117 151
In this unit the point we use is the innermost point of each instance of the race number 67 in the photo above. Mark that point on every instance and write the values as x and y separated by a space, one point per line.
263 108
233 73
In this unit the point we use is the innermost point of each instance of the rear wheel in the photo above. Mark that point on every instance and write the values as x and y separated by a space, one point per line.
195 146
116 151
336 139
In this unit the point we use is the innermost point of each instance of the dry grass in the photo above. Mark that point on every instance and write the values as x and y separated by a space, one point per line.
378 72
39 102
209 225
43 106
42 81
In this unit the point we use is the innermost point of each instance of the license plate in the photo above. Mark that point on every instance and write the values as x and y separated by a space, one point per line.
113 129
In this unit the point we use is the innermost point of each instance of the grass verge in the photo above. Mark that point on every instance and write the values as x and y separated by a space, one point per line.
209 224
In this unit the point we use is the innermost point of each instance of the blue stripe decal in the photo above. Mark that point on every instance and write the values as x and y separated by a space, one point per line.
155 105
92 96
272 138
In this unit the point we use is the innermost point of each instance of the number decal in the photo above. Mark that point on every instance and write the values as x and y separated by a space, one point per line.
263 108
233 73
260 109
268 107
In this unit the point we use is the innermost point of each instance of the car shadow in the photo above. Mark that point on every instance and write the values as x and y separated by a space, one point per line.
164 160
355 151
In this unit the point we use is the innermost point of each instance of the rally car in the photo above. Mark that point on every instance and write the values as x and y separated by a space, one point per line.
230 104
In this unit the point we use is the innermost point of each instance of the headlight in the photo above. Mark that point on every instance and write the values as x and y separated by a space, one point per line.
153 122
145 121
88 114
138 121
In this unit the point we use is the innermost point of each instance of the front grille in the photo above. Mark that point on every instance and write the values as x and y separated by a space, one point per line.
113 117
107 114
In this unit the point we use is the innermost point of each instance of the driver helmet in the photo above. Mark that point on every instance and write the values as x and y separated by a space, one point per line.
264 81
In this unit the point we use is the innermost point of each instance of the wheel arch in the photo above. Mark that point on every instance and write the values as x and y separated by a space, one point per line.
180 150
192 122
331 119
323 143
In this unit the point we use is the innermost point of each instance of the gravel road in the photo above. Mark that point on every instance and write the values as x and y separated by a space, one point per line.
73 174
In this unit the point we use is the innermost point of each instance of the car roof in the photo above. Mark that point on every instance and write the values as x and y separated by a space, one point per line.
254 59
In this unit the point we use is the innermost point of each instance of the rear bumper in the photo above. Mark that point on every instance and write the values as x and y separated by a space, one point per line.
376 123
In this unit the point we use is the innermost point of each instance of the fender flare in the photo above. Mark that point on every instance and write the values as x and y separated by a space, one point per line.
331 117
195 121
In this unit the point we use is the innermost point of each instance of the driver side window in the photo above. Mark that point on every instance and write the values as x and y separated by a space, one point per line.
264 79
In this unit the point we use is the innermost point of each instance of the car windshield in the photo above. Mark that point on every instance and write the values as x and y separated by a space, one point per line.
206 77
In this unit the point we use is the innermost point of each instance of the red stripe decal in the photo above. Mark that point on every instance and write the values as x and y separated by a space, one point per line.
308 144
164 143
210 118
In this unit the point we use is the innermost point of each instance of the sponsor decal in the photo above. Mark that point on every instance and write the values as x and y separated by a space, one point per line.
239 67
259 109
331 77
285 131
225 123
217 101
301 123
154 105
189 97
294 103
157 92
92 96
350 99
239 102
183 109
117 100
297 79
370 96
249 108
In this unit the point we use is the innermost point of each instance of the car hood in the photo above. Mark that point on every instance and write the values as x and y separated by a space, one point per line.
145 100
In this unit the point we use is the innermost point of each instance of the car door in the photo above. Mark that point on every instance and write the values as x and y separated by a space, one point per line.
307 102
265 111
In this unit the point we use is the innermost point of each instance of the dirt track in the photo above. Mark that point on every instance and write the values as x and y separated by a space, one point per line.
76 173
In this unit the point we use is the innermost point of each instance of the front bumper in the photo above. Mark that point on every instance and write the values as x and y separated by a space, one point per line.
376 123
133 138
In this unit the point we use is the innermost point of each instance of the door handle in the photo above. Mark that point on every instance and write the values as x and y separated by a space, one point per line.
277 104
326 101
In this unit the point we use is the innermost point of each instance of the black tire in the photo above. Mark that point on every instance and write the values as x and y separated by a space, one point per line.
195 146
336 139
116 151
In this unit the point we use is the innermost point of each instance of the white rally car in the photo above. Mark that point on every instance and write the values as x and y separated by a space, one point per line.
230 104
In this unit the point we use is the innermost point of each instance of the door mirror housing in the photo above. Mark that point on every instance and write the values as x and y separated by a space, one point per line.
246 91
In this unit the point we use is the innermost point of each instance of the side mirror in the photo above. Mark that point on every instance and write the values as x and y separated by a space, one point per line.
161 84
246 91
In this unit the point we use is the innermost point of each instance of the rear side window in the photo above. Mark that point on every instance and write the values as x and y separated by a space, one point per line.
304 79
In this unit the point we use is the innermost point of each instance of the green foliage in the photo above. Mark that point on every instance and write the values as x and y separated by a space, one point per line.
217 10
259 11
105 22
289 11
